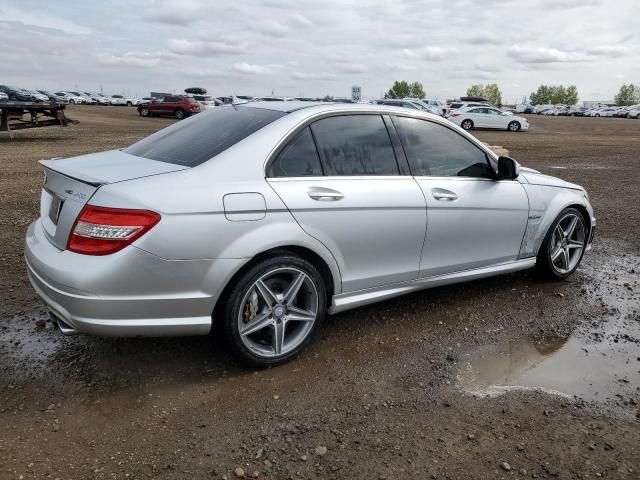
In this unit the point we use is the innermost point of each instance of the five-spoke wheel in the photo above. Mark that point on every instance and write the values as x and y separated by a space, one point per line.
564 245
274 309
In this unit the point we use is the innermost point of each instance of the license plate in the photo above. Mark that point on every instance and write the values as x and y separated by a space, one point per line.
54 208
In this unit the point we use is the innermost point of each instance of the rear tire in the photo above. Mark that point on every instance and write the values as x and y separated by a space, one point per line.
129 104
564 245
513 126
467 124
250 324
180 114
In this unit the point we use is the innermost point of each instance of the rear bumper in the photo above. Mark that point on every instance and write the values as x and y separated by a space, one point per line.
129 293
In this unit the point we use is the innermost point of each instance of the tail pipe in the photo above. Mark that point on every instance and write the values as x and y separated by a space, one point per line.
64 327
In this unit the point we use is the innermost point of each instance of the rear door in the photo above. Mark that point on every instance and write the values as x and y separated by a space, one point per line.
347 190
473 220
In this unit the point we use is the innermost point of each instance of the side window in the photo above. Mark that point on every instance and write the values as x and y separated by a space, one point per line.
298 159
438 151
355 145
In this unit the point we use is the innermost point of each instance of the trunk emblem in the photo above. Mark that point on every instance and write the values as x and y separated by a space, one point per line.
81 196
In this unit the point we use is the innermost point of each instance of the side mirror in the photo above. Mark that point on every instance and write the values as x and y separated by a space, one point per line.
508 168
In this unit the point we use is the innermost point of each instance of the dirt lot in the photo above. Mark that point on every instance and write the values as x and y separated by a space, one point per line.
503 378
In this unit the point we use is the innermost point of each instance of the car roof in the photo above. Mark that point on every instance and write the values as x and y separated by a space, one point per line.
285 106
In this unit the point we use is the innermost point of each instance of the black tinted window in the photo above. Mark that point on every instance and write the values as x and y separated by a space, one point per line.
298 159
202 137
355 145
435 150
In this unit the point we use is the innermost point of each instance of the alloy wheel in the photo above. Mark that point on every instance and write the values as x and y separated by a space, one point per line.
514 126
467 124
278 312
567 243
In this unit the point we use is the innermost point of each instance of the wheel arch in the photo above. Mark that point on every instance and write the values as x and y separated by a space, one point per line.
545 204
332 283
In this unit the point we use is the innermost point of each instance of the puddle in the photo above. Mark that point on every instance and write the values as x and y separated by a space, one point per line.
573 368
599 362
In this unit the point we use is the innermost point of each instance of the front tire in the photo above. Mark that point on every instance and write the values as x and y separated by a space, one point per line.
513 126
564 245
273 310
467 124
144 112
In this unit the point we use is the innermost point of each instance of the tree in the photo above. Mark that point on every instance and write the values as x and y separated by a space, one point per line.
628 95
546 94
402 89
491 92
493 95
475 91
572 95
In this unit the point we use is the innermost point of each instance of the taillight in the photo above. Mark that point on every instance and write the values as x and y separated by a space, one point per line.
102 230
454 114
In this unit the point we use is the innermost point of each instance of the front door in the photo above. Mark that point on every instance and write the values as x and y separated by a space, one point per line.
343 186
473 220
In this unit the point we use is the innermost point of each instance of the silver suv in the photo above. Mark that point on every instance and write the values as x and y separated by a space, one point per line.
261 218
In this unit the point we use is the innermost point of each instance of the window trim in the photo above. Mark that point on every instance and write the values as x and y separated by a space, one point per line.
307 123
488 158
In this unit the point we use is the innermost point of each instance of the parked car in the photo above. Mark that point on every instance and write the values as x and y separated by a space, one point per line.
405 103
541 108
605 112
256 219
621 113
70 97
524 108
17 94
206 101
453 106
118 100
86 99
98 98
634 113
488 117
4 97
577 111
38 97
53 97
179 106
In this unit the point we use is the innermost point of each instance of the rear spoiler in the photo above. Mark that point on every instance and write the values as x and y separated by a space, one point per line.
50 164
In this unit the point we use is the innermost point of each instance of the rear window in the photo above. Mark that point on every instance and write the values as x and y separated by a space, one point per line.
200 138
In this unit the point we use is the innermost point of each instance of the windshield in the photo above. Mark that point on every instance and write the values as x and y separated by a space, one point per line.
194 141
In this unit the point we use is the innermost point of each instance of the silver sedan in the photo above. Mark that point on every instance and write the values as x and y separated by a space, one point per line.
262 218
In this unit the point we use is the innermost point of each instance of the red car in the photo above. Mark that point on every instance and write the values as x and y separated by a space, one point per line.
173 105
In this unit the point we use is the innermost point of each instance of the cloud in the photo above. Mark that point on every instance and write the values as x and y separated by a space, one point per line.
39 18
609 51
430 53
274 29
314 76
568 4
183 46
485 38
170 12
252 69
132 59
543 55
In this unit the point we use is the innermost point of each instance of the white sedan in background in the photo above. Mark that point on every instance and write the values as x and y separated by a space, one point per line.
488 117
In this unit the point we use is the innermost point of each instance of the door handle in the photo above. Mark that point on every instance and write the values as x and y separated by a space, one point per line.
444 195
323 194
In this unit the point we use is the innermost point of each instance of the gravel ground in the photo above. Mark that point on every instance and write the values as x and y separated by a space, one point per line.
383 391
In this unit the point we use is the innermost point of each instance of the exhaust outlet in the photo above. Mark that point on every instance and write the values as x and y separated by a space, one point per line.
64 327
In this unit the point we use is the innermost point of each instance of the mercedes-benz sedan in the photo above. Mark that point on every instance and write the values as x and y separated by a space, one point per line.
262 218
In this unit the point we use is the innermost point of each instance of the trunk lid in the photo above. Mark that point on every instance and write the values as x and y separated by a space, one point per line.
70 183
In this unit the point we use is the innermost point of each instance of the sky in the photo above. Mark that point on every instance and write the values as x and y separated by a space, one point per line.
317 48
